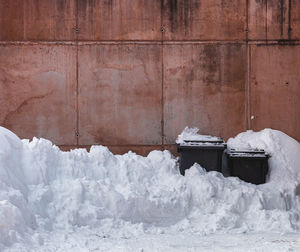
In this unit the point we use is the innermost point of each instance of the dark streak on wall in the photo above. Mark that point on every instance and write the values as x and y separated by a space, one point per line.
181 13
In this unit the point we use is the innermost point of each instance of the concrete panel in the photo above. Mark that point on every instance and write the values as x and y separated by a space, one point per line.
277 19
119 20
204 20
204 86
275 88
257 21
120 94
50 20
268 19
11 20
37 20
38 91
295 19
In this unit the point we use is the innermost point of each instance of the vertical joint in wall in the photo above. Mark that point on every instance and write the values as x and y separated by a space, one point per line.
162 77
247 89
77 82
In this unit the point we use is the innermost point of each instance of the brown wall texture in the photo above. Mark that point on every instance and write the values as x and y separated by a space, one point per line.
130 74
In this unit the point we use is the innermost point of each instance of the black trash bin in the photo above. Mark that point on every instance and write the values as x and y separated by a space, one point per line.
250 165
207 153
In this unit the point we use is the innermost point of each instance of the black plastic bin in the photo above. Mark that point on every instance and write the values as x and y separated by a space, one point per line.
207 153
249 165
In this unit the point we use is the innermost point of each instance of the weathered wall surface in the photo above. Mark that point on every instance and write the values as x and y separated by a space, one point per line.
130 74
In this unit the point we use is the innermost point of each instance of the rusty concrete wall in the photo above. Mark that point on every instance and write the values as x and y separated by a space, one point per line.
130 74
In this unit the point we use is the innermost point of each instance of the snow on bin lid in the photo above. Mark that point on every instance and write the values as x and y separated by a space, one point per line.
247 153
190 137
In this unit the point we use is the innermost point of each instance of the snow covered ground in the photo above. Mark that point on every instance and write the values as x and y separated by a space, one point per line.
90 240
96 201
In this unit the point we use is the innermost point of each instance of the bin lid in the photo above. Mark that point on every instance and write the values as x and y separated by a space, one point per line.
255 153
215 142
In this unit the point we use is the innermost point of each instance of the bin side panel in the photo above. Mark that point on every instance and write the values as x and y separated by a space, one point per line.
209 159
249 169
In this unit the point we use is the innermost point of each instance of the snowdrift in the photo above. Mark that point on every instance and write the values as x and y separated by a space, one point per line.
43 190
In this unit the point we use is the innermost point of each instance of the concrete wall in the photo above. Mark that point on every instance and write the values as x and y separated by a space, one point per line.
130 74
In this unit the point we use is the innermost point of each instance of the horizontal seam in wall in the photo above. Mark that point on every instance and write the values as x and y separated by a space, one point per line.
274 42
119 42
16 43
82 43
112 42
124 40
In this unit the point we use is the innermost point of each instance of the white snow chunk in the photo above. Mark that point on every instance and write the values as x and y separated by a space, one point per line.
191 134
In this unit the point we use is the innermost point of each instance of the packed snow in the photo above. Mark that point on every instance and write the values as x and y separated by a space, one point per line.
52 200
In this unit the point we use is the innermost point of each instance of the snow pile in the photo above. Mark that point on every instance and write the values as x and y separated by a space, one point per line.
44 190
191 134
285 156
